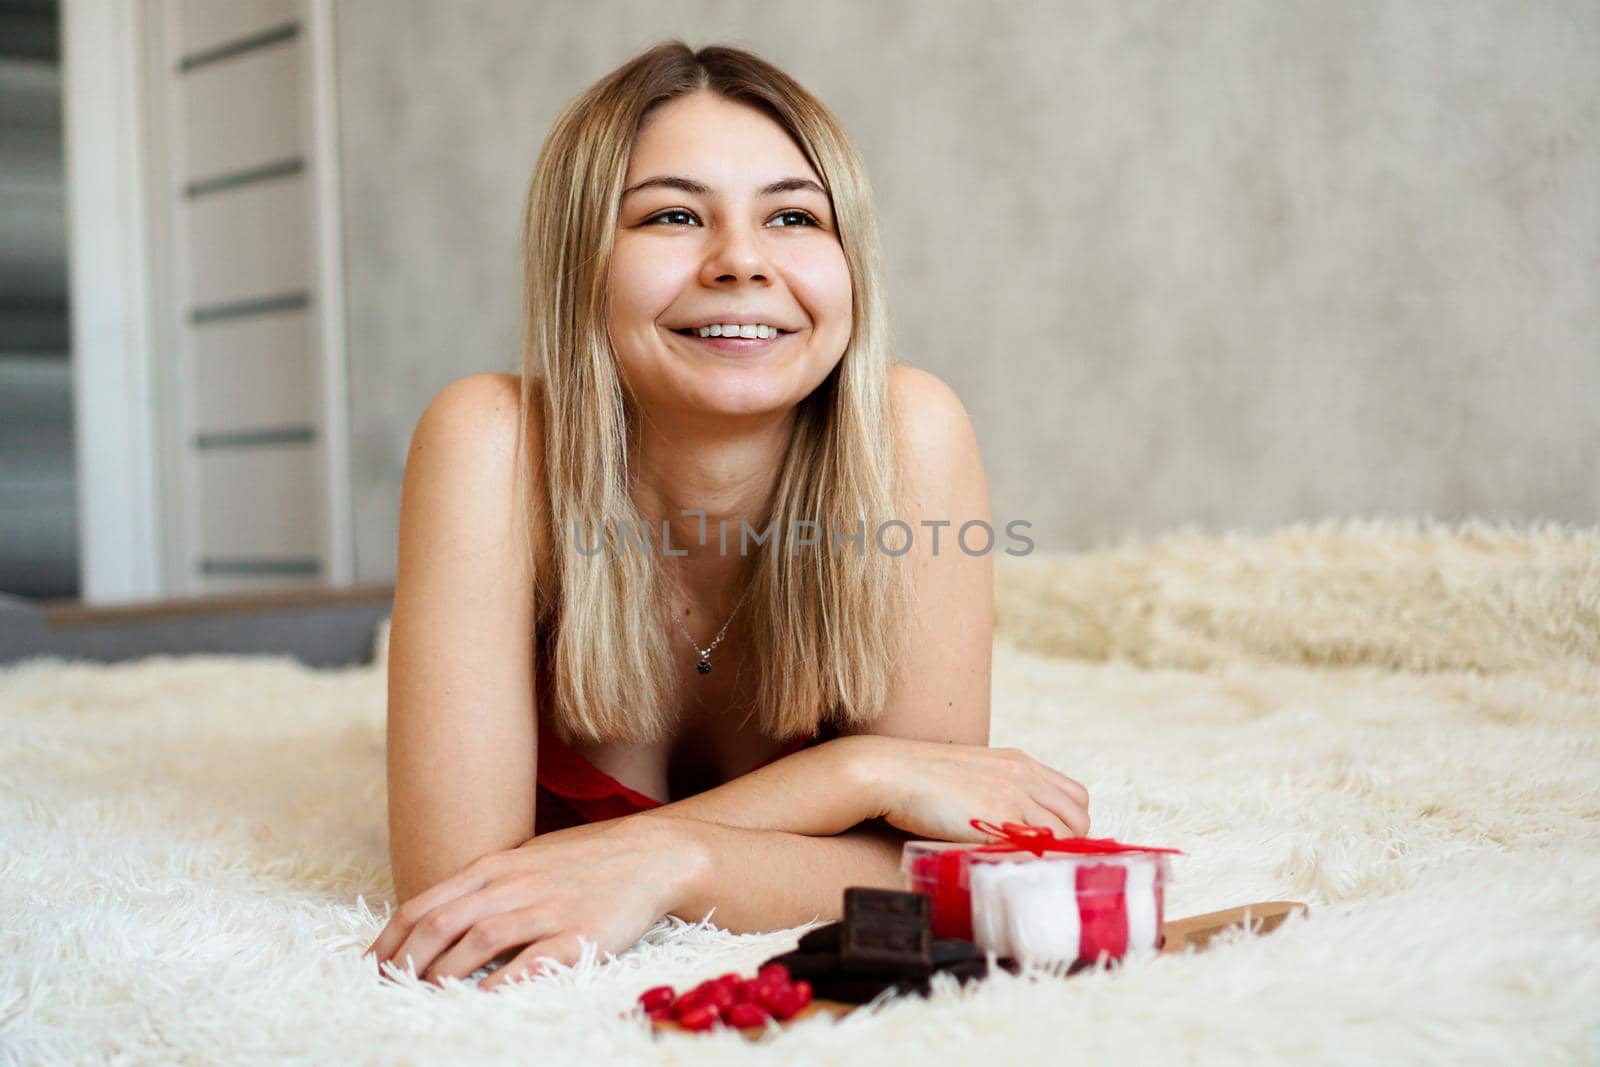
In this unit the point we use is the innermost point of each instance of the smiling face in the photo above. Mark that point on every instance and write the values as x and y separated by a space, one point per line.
743 232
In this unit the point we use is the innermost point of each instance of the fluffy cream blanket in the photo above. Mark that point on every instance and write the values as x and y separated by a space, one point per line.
1398 724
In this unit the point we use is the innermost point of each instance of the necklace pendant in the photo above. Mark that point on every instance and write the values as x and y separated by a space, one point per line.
704 666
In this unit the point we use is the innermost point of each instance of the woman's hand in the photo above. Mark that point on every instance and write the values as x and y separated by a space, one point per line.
608 882
932 789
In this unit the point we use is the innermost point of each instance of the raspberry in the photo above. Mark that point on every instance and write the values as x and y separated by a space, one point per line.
731 999
712 991
702 1017
660 996
785 1003
773 997
694 998
746 1014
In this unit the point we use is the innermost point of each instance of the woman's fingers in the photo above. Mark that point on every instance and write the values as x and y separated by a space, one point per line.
1072 791
1064 809
491 937
414 910
565 948
441 928
1072 787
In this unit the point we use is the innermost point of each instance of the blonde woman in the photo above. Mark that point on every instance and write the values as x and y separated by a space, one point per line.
682 623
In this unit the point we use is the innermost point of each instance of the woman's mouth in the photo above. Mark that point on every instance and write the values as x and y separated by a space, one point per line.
738 346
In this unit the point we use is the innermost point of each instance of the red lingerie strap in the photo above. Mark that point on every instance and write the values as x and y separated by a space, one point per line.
564 770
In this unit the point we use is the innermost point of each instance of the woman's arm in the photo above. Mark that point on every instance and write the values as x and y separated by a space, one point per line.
460 749
833 778
760 880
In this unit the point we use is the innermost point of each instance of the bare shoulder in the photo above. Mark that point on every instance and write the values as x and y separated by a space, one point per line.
477 411
917 396
465 446
933 433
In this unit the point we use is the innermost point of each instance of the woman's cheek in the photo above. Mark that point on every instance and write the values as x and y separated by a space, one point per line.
646 282
822 285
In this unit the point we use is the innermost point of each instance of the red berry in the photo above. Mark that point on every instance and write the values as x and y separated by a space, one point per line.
660 996
712 991
702 1017
774 970
746 1014
786 1003
772 997
802 992
660 1014
691 1000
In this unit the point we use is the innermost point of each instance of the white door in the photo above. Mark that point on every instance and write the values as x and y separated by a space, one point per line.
244 405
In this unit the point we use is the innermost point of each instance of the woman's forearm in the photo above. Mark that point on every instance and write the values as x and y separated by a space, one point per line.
818 791
758 880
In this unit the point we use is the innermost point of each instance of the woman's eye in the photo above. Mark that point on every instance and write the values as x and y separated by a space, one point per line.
671 211
810 220
807 219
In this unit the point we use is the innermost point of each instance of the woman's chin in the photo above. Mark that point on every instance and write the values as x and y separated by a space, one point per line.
743 400
742 390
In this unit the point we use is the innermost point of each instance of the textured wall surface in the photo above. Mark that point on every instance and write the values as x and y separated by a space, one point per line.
1230 265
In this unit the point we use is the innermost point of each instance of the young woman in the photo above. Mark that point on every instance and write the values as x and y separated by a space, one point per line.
610 697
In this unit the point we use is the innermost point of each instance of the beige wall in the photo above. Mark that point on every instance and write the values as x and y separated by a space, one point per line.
1234 264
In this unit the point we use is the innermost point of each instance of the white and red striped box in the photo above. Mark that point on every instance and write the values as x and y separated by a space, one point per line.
1053 907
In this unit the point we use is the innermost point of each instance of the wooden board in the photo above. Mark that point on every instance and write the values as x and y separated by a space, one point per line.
1177 935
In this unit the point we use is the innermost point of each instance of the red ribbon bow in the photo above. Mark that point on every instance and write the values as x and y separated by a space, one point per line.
1021 837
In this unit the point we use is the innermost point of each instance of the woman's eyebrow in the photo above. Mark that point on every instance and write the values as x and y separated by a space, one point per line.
689 185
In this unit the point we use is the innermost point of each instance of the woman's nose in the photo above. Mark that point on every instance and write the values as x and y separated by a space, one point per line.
735 252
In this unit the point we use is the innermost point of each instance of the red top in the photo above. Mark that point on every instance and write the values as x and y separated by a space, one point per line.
572 791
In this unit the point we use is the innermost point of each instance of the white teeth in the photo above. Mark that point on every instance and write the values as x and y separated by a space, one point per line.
736 330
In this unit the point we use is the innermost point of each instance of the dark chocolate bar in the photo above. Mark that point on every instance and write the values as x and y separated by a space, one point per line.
966 970
884 943
803 963
949 950
863 901
860 988
823 938
892 947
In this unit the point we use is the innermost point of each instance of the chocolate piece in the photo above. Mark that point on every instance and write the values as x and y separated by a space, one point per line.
863 901
854 988
804 964
885 931
860 988
966 970
890 947
884 944
823 938
948 950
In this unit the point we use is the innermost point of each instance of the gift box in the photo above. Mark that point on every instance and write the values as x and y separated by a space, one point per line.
1030 895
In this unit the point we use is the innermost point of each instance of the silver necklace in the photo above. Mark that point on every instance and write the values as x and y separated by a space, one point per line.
704 665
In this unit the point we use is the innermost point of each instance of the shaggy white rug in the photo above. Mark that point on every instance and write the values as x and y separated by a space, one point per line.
1397 723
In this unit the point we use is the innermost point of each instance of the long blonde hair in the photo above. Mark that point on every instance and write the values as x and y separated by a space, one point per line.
824 623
